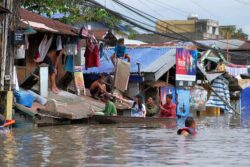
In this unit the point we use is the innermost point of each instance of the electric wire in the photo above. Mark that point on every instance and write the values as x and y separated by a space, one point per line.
199 45
134 10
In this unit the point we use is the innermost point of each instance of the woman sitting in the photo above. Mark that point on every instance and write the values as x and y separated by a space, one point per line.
137 106
151 107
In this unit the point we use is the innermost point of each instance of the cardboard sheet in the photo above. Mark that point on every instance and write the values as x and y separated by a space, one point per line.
122 74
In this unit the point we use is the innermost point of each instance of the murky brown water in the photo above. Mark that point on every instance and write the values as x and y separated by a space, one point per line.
220 142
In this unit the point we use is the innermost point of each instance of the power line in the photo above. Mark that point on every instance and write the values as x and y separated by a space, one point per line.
163 4
140 13
199 45
149 18
169 24
242 2
147 6
203 8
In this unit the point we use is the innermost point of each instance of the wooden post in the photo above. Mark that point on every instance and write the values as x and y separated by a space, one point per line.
7 62
167 77
44 78
227 46
5 32
10 52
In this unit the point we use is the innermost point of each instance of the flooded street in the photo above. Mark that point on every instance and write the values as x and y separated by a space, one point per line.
221 141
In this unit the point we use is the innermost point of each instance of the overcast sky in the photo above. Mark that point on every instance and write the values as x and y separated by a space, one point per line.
227 12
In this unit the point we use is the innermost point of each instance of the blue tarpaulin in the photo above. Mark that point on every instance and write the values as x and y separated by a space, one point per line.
245 107
146 56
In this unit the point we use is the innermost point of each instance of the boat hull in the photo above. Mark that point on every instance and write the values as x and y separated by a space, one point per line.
125 119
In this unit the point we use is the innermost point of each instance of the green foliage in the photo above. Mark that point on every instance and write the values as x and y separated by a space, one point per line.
75 11
240 34
233 33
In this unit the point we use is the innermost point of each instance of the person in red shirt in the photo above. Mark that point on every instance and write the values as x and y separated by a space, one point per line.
168 109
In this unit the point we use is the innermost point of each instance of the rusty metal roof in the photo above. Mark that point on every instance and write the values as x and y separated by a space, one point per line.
43 24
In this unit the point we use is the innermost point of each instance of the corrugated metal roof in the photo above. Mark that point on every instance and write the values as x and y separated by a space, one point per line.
222 44
151 59
44 24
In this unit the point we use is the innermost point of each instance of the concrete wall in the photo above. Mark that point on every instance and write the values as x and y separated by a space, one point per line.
188 26
179 26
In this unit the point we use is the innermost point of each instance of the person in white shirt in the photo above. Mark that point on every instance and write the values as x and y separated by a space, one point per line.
137 106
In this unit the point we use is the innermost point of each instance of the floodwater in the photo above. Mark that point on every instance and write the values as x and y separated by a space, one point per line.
221 141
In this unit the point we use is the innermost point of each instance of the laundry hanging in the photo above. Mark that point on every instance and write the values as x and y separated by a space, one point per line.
20 52
101 48
26 46
237 71
91 55
58 43
43 48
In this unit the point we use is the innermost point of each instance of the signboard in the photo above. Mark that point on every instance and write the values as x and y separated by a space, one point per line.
18 38
78 78
183 102
186 62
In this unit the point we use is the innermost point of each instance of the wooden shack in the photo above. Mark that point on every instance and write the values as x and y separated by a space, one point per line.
61 108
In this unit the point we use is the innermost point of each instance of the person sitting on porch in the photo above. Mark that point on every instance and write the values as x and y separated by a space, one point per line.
110 108
151 107
98 88
51 55
120 51
168 109
221 66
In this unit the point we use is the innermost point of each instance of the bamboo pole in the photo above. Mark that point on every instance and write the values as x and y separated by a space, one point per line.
227 46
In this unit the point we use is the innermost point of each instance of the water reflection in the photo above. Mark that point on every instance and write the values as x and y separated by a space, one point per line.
221 141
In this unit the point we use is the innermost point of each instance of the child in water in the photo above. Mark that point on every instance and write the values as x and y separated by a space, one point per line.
189 129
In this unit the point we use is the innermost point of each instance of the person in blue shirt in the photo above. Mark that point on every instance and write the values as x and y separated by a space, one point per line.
120 51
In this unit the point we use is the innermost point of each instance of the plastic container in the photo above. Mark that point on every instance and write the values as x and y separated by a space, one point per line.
24 98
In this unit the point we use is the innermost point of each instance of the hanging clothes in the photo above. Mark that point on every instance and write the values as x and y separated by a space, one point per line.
69 63
220 86
58 43
237 71
20 52
91 55
43 48
26 45
101 47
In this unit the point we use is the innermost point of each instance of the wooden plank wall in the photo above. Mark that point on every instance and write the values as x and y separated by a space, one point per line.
30 65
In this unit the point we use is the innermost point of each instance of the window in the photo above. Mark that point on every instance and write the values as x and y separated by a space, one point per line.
214 30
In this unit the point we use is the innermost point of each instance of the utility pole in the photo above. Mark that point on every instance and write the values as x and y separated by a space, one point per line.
7 60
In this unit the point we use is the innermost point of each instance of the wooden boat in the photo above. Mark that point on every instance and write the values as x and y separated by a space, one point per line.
126 119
